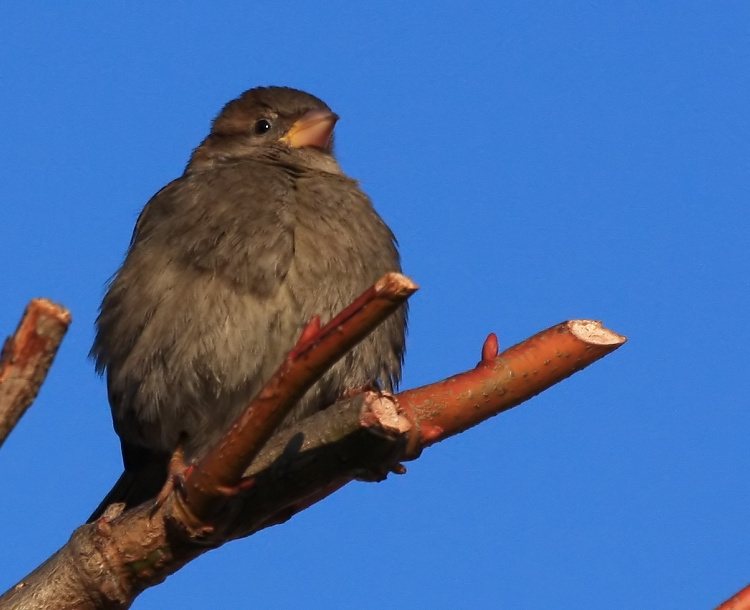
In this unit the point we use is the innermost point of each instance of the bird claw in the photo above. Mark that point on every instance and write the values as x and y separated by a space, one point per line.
177 473
233 490
398 468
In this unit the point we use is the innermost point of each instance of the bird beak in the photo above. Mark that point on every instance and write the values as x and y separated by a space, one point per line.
314 128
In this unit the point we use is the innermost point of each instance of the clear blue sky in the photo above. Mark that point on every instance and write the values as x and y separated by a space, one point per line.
538 162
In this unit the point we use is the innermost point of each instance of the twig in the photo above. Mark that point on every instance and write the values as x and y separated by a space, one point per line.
26 357
738 601
501 382
108 563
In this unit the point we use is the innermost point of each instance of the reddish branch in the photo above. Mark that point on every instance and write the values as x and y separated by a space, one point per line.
738 601
432 413
107 564
26 358
500 382
317 350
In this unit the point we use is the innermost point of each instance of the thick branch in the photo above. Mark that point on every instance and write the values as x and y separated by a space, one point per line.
26 358
434 412
106 564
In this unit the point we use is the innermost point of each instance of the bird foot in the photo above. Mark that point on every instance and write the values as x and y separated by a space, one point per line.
244 484
398 469
177 472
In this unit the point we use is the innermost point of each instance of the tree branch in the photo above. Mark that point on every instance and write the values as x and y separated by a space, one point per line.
499 383
26 357
108 563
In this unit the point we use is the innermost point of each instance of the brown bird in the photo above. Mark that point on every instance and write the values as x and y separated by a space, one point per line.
226 266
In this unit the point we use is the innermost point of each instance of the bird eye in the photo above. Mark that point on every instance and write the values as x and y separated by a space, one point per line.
262 126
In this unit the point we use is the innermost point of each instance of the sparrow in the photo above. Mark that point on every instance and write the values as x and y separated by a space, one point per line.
226 266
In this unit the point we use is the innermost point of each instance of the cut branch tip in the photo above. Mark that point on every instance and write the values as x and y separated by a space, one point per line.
592 331
395 284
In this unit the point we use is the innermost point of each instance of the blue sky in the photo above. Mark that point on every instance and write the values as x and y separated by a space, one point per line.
538 162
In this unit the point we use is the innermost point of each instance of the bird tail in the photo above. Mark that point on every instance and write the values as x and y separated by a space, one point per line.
133 488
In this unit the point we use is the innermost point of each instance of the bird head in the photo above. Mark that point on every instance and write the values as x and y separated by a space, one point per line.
274 123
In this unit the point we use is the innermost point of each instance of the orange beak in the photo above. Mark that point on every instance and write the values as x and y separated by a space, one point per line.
314 128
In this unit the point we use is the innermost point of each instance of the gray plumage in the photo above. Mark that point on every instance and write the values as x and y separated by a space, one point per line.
226 266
